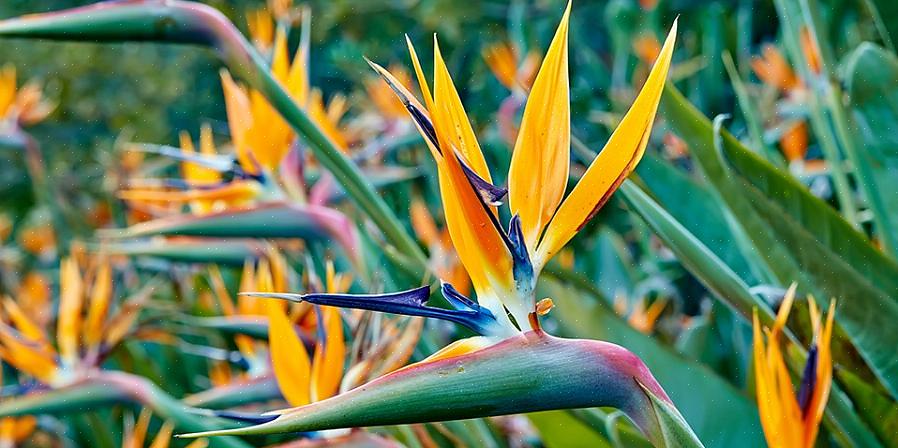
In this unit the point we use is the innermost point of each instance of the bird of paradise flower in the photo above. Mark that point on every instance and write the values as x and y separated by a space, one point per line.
503 267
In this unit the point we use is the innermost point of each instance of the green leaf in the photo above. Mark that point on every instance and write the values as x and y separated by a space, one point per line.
262 389
271 220
800 238
729 289
677 434
696 209
700 260
871 83
876 410
558 429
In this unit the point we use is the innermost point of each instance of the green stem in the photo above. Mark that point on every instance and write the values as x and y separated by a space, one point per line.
751 121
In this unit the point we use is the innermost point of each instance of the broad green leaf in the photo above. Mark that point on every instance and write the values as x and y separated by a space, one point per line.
871 84
696 209
716 275
731 290
719 413
875 409
676 432
800 238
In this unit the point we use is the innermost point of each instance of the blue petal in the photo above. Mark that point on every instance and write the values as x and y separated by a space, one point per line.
488 192
808 381
522 268
409 303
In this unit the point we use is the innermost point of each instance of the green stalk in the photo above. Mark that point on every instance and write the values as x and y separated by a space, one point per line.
748 112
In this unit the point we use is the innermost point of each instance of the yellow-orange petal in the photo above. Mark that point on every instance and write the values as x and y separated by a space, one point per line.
240 120
289 359
502 60
451 121
7 89
404 95
23 323
794 142
261 28
280 59
773 69
330 356
477 241
419 73
319 114
163 437
768 404
401 349
423 224
609 169
68 326
31 359
237 191
216 281
458 348
100 296
539 167
810 50
823 381
782 316
138 433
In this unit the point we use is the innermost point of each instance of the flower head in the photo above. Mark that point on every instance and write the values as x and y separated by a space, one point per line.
790 418
86 329
503 264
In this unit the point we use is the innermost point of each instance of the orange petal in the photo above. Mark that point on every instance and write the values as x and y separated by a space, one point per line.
768 405
423 224
609 169
458 348
28 358
23 323
503 62
240 120
541 159
330 356
450 120
289 359
68 326
163 437
99 305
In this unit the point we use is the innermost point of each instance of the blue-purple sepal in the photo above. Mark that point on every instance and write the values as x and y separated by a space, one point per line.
410 303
